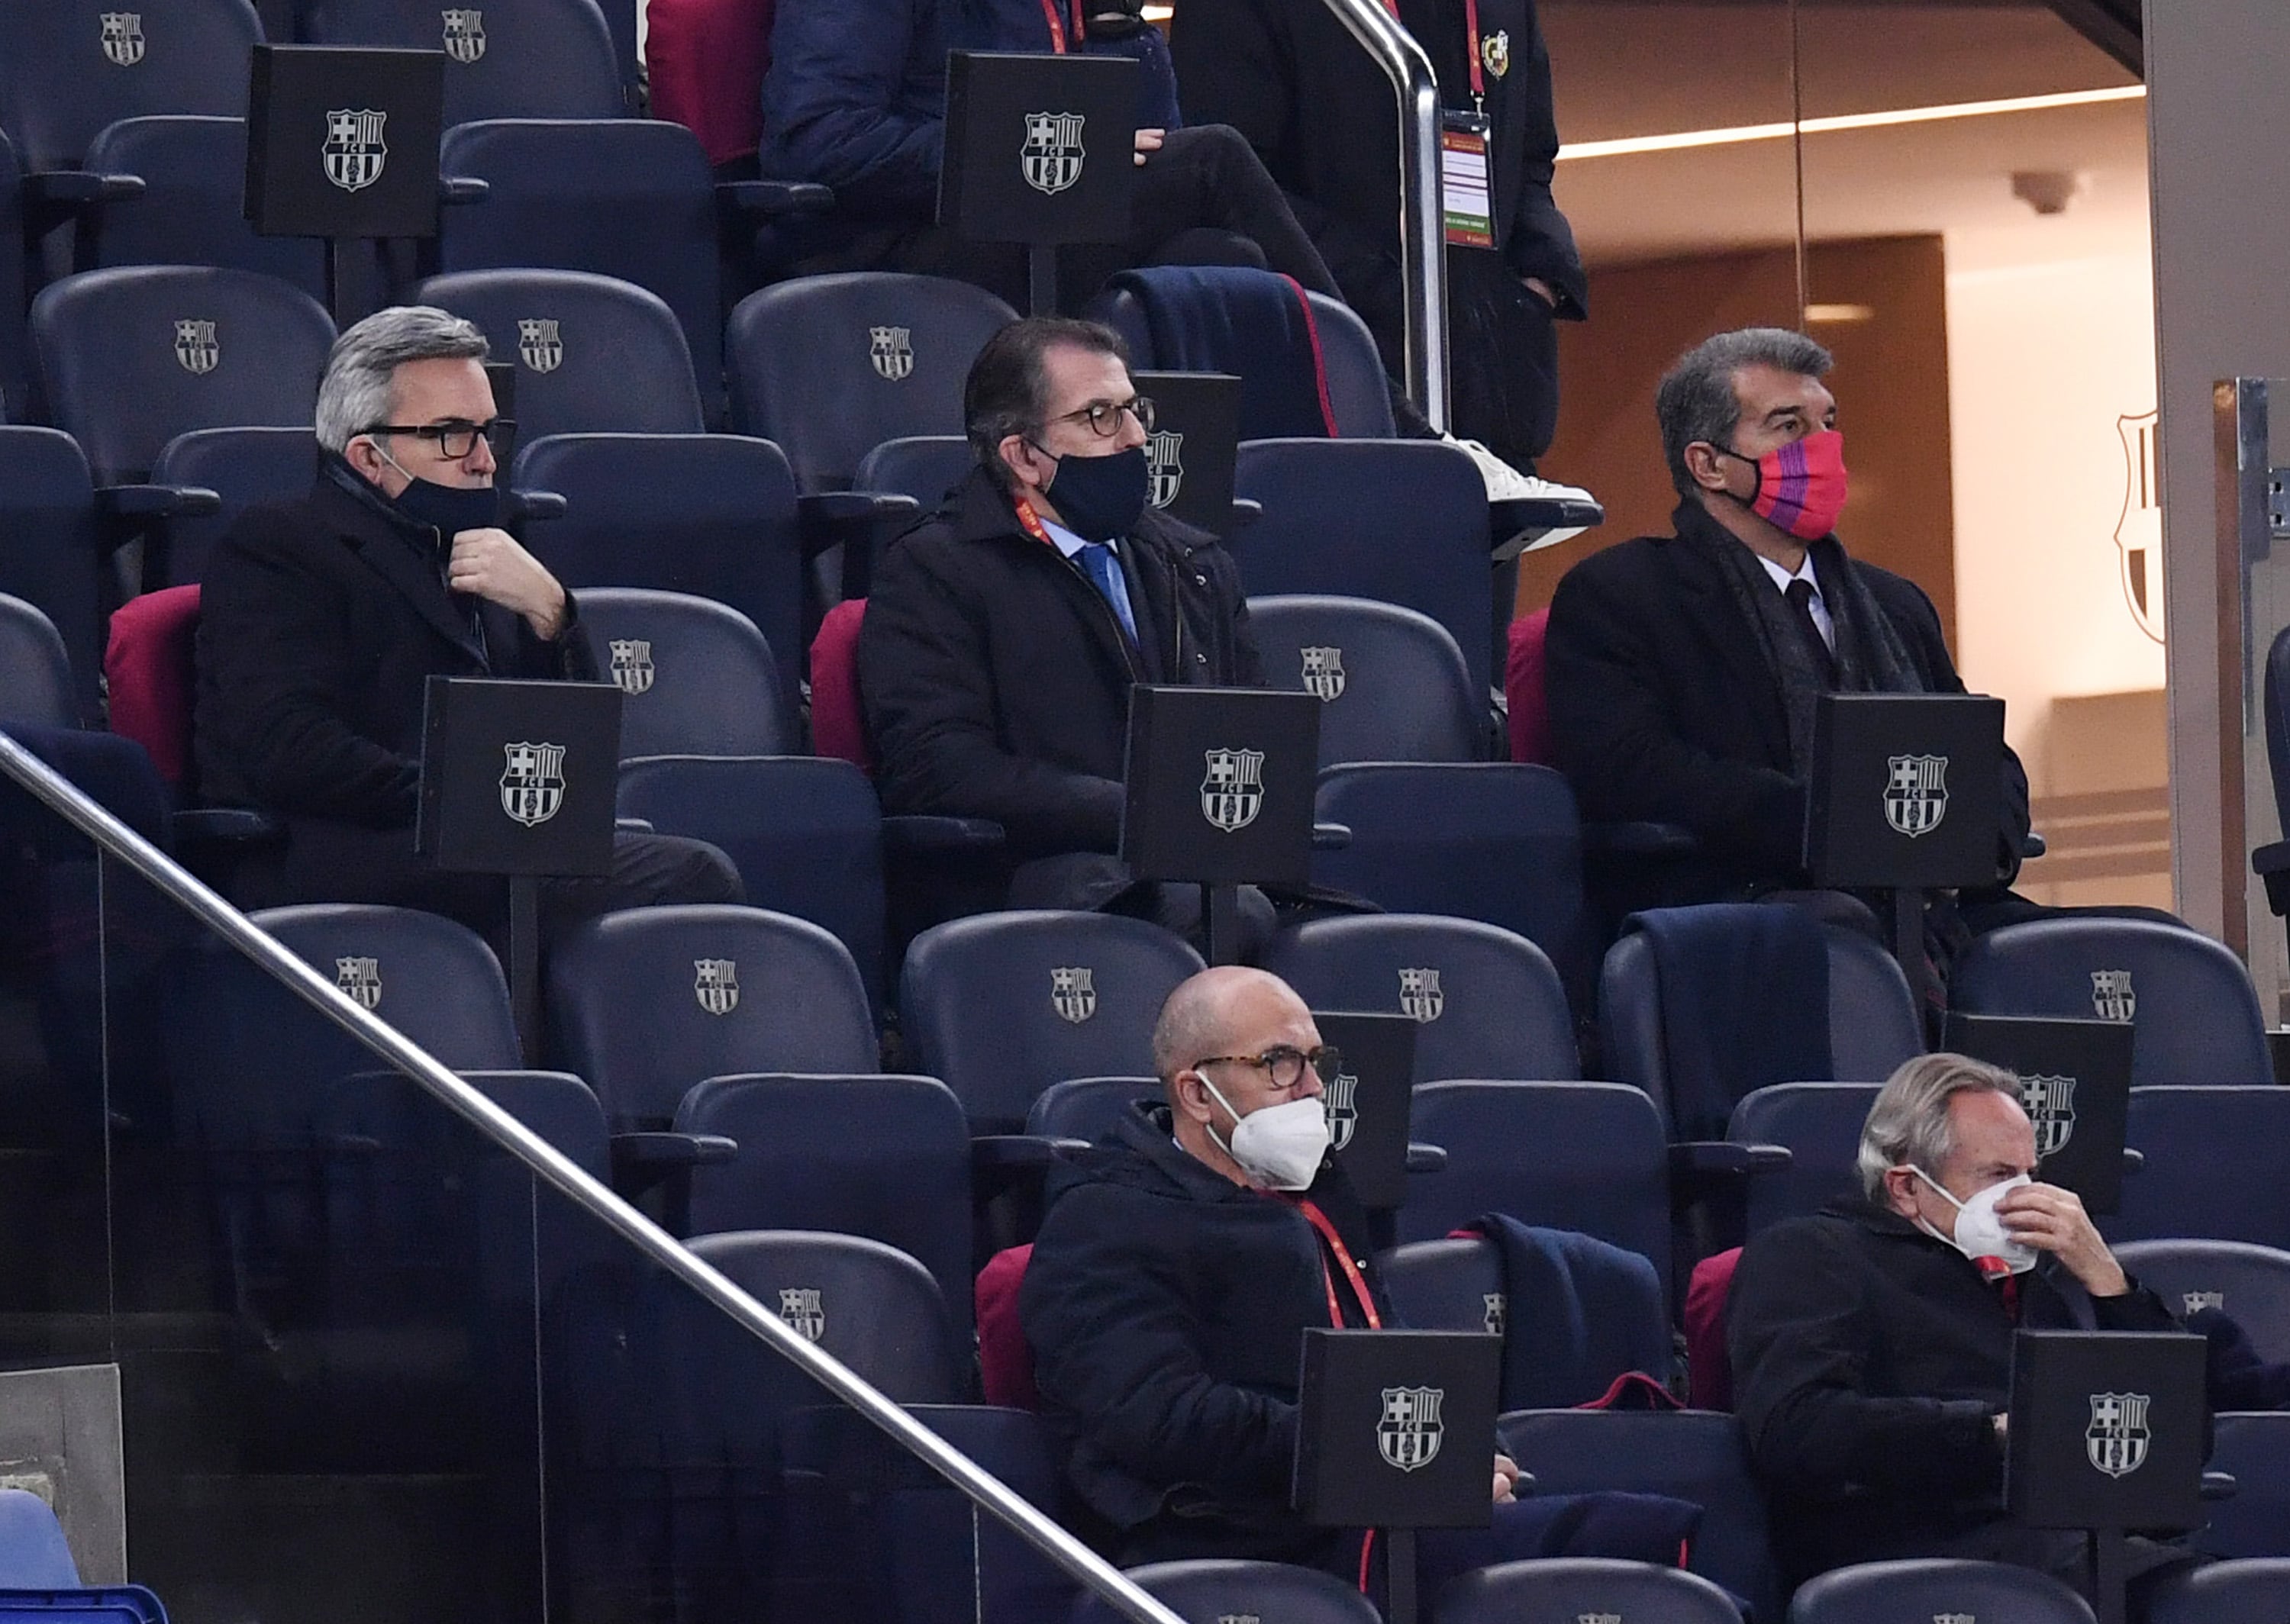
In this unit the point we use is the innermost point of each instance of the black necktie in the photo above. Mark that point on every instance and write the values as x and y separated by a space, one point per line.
1799 593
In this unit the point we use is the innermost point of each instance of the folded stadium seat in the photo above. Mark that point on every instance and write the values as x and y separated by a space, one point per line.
664 1418
1699 1006
647 1003
510 59
1576 1314
131 357
2211 1165
713 515
594 354
1694 1455
1209 1591
1002 1006
2247 1592
858 1153
15 353
1581 1587
69 67
35 674
1401 522
925 467
1487 1003
1916 1590
188 206
2194 1016
806 833
2249 1284
1819 1125
830 367
34 1555
2253 1448
698 677
53 528
1086 1108
1586 1157
243 466
1391 683
1491 840
630 198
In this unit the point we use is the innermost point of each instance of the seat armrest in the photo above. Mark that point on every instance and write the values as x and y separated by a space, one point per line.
74 189
835 518
533 504
773 199
1639 840
916 833
1246 511
1727 1156
1531 523
156 501
1000 1155
1331 837
460 190
661 1150
2032 846
632 825
1426 1158
2134 1161
237 824
2220 1485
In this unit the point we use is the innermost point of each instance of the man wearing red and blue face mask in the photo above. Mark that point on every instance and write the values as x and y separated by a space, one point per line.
1683 671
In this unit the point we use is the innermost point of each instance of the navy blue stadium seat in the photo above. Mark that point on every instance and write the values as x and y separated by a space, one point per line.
2253 1448
1872 1023
1493 841
867 1303
508 59
628 198
2194 1017
830 367
35 674
647 1003
2210 1169
2250 1285
594 354
711 515
1085 1108
244 467
887 1157
2247 1592
1487 1003
923 466
1002 1006
52 540
806 833
1359 392
699 676
1819 1123
191 208
435 980
1581 1587
1589 1156
131 357
1694 1454
1399 521
15 349
1914 1591
69 68
1597 1315
1391 683
1210 1591
33 1553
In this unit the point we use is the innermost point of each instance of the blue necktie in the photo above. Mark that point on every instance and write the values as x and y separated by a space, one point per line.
1105 571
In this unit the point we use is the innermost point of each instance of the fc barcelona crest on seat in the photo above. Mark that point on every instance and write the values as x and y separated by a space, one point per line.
1407 1436
465 34
1419 997
533 781
1052 156
892 349
355 152
799 1307
123 38
2112 997
1165 461
1916 792
715 983
1072 993
1324 673
1232 791
632 668
538 345
360 979
1339 1100
197 350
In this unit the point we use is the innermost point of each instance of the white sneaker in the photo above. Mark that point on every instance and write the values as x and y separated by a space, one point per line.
1506 483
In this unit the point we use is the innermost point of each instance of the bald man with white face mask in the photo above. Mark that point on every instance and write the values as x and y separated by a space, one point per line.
1871 1344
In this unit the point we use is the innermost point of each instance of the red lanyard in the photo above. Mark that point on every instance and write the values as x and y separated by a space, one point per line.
1030 521
1058 26
1471 41
1319 1221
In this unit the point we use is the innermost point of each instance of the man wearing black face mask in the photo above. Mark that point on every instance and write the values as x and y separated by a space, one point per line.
321 622
1003 633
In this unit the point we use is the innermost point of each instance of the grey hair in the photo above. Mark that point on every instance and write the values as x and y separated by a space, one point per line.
355 392
1696 400
1908 1122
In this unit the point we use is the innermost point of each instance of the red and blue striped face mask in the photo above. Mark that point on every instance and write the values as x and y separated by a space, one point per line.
1801 486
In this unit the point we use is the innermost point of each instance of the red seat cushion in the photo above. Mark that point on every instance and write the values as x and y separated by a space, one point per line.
1530 711
149 664
1006 1365
705 61
838 727
1708 1373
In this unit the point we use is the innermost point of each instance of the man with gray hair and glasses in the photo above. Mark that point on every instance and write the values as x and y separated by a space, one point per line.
1871 1343
322 619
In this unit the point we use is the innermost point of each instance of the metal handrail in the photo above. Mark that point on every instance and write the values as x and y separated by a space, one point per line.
123 842
1423 221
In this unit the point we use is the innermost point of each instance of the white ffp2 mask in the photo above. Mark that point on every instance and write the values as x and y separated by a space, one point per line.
1278 1145
1979 1232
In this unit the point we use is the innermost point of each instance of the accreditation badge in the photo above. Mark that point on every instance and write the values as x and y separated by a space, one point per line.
1467 179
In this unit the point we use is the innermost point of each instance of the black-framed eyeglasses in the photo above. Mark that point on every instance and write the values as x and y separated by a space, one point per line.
1104 416
456 439
1283 1064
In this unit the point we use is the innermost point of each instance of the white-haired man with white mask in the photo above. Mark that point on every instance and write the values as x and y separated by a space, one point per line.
1871 1343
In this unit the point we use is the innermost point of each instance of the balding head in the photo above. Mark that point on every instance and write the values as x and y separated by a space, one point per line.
1199 1016
1227 1015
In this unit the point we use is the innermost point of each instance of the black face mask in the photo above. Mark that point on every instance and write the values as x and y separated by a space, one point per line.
1101 499
448 510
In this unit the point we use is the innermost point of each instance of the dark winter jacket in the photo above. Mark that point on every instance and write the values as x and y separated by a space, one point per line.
1166 1307
996 678
1868 1360
1663 709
